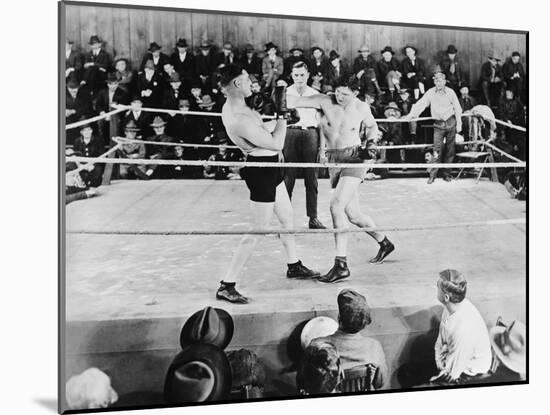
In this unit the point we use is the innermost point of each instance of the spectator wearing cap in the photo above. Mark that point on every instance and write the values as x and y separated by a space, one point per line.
320 370
389 70
89 145
451 66
174 92
156 152
141 118
296 55
97 63
446 111
509 344
363 61
205 65
250 62
183 62
155 55
337 70
150 86
514 75
319 67
272 66
132 150
73 61
111 95
462 348
490 80
78 104
414 71
125 75
352 345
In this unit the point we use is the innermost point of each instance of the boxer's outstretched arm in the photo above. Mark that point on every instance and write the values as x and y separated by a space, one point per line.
313 101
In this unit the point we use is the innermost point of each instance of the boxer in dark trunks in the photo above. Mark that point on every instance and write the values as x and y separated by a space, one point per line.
268 193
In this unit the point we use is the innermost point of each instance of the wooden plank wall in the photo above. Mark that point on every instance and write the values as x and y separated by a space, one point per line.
128 32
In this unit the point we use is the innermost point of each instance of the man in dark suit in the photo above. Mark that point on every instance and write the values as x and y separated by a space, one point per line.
150 86
363 62
205 66
226 56
389 69
514 75
111 95
451 66
272 67
183 62
73 61
156 56
336 71
97 64
140 119
490 80
89 145
250 62
414 72
78 104
173 93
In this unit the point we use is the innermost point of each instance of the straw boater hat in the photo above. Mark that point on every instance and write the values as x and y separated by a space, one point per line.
158 122
209 325
317 327
509 344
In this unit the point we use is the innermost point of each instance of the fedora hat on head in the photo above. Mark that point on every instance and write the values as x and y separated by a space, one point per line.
333 55
111 78
317 327
72 82
392 106
205 45
509 344
199 373
94 39
363 48
149 64
154 46
210 326
248 48
131 126
181 43
314 48
270 45
494 55
451 49
296 48
158 122
409 46
206 101
387 49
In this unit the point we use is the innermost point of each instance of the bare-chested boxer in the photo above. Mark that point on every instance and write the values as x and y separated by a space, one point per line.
268 193
343 114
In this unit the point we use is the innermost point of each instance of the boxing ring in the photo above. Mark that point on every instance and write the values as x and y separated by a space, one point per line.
145 255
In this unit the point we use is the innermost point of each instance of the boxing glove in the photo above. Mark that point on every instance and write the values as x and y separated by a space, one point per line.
369 152
279 99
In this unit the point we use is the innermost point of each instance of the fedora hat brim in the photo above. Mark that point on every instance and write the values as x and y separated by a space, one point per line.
211 356
223 337
514 361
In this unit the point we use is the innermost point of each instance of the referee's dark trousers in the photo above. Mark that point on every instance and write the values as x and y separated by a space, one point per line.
444 143
302 145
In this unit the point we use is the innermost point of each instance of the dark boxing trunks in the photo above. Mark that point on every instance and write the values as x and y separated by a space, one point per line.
345 155
262 181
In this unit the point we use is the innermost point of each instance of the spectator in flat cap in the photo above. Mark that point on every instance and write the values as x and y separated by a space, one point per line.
453 68
97 63
125 75
155 55
272 66
205 65
320 369
389 71
462 348
250 62
73 61
414 72
296 55
319 67
514 75
112 94
183 62
150 86
337 70
490 80
352 345
89 144
78 104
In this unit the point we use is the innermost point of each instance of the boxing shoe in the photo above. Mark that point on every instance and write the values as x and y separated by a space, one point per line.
431 180
448 178
337 273
299 271
386 248
228 292
315 223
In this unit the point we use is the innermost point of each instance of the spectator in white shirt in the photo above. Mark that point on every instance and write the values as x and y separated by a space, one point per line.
462 348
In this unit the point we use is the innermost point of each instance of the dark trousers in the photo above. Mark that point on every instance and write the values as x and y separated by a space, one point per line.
444 130
302 146
491 92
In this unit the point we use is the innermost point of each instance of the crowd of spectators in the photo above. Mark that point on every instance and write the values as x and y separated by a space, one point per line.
173 77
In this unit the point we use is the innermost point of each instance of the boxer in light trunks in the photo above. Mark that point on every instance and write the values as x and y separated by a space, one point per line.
343 114
268 193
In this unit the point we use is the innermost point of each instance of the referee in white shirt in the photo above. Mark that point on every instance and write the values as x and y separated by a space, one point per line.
302 143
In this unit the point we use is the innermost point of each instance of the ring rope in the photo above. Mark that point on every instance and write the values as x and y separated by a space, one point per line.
420 227
90 120
83 166
504 153
285 164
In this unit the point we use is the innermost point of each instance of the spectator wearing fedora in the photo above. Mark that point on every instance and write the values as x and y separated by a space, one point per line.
97 63
205 65
414 71
490 80
73 61
182 126
272 66
133 150
363 62
389 70
125 75
462 348
509 345
446 111
111 95
78 104
337 70
150 86
353 347
222 172
173 93
511 110
250 62
141 118
209 130
296 55
452 67
155 152
319 67
392 132
89 145
320 369
183 62
514 75
226 56
155 55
